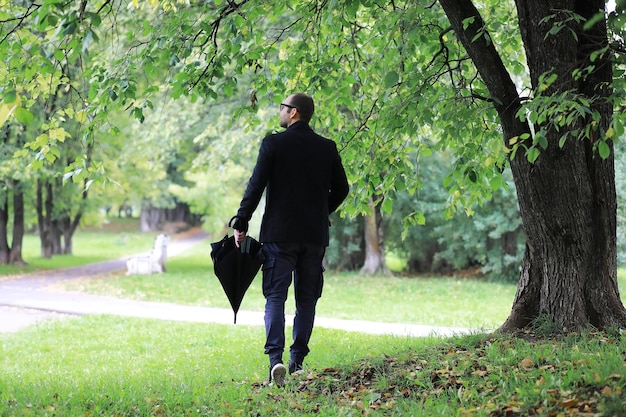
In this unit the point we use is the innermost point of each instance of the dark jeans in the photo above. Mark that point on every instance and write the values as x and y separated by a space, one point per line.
305 261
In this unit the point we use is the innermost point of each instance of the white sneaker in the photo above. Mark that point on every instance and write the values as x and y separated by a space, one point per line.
278 374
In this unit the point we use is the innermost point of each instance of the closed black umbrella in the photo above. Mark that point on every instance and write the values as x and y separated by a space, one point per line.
236 267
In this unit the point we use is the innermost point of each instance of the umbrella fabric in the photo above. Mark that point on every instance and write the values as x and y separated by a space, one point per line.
236 267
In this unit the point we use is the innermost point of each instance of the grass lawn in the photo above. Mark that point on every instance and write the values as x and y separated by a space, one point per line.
457 302
111 366
442 301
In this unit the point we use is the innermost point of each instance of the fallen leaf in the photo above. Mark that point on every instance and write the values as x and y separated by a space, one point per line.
527 363
570 403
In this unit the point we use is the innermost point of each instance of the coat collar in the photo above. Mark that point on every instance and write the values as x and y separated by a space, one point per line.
299 125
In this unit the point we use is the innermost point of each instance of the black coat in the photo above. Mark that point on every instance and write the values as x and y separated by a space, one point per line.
304 181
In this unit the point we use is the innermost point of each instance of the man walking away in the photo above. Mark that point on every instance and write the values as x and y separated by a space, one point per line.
304 180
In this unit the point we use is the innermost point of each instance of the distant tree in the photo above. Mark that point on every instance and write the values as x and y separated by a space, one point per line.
346 251
12 190
374 239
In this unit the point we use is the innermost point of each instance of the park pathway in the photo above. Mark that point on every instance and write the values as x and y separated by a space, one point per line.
27 300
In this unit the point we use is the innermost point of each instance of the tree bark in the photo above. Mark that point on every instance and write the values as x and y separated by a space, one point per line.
4 207
151 218
374 244
12 254
68 225
567 197
15 255
44 223
4 221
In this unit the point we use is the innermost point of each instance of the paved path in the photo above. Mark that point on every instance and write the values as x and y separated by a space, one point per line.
27 300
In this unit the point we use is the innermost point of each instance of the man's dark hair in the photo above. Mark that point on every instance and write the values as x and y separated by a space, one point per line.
304 104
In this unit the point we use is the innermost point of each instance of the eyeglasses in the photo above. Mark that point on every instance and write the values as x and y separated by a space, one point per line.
283 105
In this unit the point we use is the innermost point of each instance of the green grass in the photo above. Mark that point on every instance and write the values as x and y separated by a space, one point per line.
454 302
445 301
111 366
115 366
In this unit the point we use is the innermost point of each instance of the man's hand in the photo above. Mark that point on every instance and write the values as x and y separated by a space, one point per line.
240 226
238 223
239 237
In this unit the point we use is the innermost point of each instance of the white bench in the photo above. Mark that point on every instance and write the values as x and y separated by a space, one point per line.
153 262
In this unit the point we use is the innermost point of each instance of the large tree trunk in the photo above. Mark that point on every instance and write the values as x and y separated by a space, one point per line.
567 197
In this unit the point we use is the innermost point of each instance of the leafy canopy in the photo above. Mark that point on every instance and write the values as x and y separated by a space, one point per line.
391 82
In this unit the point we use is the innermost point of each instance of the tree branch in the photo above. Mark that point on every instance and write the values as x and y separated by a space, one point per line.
231 8
20 21
470 29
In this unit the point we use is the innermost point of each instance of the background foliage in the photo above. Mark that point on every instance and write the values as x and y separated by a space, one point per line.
156 102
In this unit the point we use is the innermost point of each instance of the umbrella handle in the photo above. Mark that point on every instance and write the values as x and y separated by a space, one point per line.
245 245
230 222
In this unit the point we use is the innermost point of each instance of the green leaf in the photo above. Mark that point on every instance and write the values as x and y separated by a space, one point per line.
352 8
137 113
387 206
50 157
468 21
391 79
95 19
593 20
618 128
496 183
24 116
542 140
39 142
70 28
9 96
21 153
604 149
532 154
